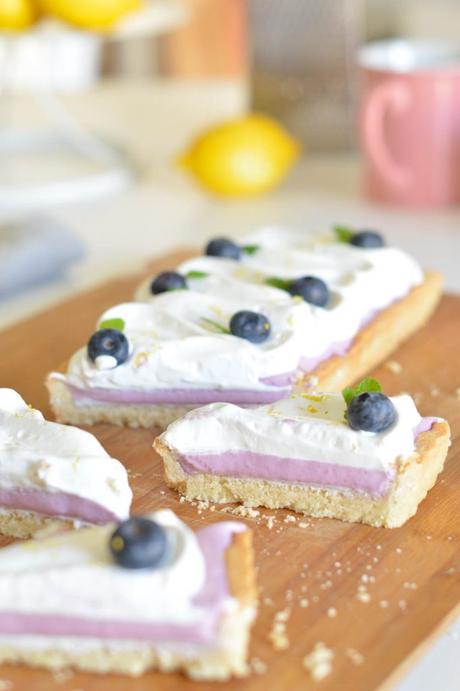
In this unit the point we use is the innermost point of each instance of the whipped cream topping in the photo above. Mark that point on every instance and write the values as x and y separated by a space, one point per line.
72 577
305 427
174 348
46 457
361 282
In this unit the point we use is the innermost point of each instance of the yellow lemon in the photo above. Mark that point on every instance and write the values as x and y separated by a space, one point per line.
16 15
90 14
242 157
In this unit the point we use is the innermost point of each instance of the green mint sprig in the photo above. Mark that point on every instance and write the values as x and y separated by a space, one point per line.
365 385
196 275
276 282
343 233
115 323
250 249
216 325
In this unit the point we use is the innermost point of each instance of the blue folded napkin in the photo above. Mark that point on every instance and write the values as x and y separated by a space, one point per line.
34 252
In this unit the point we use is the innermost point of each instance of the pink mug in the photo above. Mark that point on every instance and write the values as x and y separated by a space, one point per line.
410 122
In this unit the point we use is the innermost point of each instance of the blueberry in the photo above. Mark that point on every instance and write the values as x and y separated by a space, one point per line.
252 326
222 247
371 412
167 280
311 289
368 239
108 342
139 543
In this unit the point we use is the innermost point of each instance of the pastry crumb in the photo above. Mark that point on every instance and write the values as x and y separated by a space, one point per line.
383 604
243 511
393 366
355 656
319 661
62 675
331 612
278 636
258 666
290 519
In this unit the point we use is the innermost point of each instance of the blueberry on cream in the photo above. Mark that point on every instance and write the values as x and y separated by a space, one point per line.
368 409
252 326
139 543
311 289
167 280
367 239
371 412
109 345
223 247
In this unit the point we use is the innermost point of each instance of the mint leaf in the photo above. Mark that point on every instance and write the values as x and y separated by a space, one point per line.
216 325
250 249
348 395
343 234
276 282
115 323
196 274
364 386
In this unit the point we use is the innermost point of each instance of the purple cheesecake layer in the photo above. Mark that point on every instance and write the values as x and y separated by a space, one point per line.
247 464
59 504
213 540
266 467
85 397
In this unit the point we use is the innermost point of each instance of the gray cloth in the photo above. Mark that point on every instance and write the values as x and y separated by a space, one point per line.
34 252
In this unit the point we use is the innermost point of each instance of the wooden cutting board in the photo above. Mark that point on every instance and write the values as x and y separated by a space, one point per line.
374 596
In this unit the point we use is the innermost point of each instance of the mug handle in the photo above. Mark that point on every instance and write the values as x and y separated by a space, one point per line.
391 95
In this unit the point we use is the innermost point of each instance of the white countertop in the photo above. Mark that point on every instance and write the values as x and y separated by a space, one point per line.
165 209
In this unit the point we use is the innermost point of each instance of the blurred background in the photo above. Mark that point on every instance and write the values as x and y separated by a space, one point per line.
112 147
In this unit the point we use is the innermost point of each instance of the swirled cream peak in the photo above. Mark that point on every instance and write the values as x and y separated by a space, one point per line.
175 343
305 427
73 574
41 456
361 282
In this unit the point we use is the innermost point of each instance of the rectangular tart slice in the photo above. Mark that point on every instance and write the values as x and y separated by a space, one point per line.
51 472
302 454
147 594
246 324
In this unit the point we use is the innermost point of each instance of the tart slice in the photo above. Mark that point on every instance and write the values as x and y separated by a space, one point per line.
148 593
360 457
49 472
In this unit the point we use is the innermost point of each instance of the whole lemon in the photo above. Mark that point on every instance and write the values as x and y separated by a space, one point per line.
94 15
242 157
16 15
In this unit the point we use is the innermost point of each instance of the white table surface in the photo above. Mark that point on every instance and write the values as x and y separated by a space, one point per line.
165 209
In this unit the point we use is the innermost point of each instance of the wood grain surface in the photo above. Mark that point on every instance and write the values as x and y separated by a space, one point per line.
375 597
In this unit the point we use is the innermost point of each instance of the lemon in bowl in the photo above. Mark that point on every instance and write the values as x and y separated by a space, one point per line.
17 15
90 15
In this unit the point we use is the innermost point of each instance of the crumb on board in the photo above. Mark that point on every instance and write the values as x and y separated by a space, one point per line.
277 635
354 656
362 595
258 666
319 661
393 366
332 612
242 511
62 675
